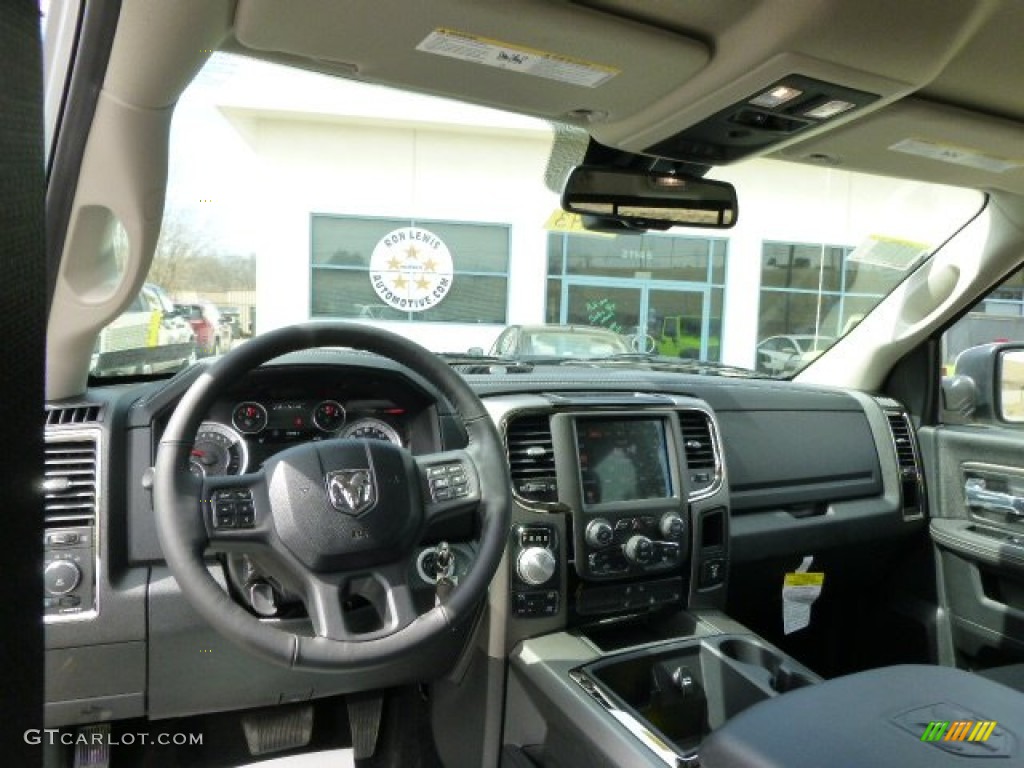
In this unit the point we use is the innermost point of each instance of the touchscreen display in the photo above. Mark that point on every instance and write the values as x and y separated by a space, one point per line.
623 459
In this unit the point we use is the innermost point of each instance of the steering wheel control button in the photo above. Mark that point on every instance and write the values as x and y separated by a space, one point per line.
233 508
448 482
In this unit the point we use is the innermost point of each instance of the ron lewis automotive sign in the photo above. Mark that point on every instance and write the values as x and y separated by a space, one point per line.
411 269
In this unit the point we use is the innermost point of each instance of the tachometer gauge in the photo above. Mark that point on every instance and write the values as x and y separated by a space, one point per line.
329 416
249 418
218 450
372 429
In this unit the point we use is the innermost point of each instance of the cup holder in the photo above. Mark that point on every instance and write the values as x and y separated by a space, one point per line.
765 664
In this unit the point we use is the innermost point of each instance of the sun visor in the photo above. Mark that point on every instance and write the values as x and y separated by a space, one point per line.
919 139
496 54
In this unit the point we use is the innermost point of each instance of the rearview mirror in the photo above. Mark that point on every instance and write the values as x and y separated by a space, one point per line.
650 199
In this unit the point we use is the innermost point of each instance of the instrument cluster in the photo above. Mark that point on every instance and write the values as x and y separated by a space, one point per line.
257 429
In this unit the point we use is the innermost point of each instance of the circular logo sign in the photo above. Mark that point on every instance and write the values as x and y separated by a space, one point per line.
411 269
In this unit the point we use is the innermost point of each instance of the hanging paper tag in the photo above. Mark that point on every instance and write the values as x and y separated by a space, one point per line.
799 591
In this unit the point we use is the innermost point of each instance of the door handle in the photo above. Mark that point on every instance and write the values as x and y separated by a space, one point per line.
978 495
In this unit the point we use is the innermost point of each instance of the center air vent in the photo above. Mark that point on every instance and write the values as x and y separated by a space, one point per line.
699 448
531 458
70 482
911 478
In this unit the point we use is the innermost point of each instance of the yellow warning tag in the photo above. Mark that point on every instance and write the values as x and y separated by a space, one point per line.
804 579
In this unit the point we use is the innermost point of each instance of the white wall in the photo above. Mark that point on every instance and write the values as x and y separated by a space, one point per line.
405 170
416 166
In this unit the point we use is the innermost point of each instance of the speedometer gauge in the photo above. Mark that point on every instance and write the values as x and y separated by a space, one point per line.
372 429
218 450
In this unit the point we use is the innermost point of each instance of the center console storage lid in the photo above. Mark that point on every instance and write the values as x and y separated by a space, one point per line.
877 718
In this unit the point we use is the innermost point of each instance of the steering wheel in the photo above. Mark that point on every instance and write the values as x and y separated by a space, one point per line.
338 517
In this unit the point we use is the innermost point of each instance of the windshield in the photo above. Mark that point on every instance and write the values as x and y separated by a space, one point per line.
294 196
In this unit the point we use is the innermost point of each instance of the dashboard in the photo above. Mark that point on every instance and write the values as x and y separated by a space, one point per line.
633 493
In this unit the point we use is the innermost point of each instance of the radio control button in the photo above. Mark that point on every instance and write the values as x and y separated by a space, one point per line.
639 550
599 533
671 526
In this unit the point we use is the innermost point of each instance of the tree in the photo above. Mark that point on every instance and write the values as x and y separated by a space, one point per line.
186 260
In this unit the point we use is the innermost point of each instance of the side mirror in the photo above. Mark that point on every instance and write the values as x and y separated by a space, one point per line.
1010 367
996 372
642 200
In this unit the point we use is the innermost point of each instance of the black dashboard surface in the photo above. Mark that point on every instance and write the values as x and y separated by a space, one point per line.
792 481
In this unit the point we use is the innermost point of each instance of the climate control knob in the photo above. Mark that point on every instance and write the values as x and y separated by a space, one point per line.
535 565
671 526
60 577
639 550
599 533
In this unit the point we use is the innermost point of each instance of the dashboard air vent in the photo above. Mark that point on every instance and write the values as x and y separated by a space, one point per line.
59 415
531 458
911 478
700 450
70 482
699 447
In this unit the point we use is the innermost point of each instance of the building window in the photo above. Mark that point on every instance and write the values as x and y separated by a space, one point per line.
340 271
819 290
664 292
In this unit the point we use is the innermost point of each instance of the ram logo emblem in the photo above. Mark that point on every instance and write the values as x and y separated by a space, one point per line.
351 491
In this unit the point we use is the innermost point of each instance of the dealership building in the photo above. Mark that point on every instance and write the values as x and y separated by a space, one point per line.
433 219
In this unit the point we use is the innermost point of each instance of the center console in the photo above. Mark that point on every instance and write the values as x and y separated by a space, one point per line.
602 702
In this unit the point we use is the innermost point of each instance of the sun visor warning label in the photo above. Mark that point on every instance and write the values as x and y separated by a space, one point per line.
516 58
950 153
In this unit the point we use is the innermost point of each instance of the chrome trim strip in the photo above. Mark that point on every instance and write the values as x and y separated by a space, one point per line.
664 752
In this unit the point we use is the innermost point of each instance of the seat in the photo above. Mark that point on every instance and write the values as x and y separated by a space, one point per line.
1011 675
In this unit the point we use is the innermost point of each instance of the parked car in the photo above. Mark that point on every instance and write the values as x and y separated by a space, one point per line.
151 336
780 355
525 341
213 332
233 317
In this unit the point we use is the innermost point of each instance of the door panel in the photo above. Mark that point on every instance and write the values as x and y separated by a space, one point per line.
977 478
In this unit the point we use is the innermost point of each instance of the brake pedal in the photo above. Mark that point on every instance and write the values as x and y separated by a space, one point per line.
267 732
92 746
